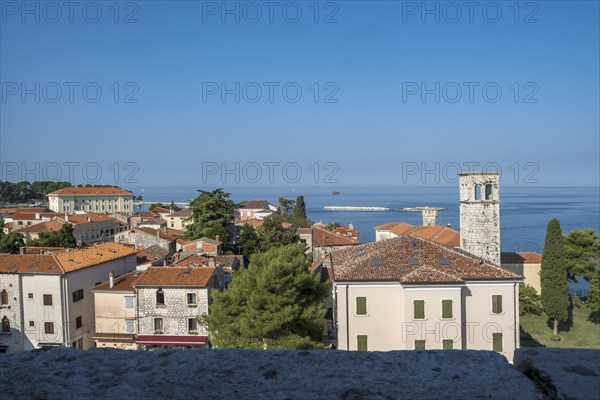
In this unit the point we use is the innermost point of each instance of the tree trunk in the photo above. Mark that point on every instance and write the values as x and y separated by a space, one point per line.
555 326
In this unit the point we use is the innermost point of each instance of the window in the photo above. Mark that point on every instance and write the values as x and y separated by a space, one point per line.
362 343
419 309
478 192
5 325
160 297
497 342
497 303
158 325
191 299
30 295
78 323
128 301
419 345
32 323
488 191
448 344
128 326
77 295
48 327
446 308
192 325
361 306
4 298
47 299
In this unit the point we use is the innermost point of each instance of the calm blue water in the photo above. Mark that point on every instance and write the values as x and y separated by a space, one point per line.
524 211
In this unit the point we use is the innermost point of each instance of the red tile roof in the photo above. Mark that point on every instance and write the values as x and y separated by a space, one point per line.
229 261
412 259
323 237
523 257
90 191
175 276
22 215
122 283
161 233
42 227
441 234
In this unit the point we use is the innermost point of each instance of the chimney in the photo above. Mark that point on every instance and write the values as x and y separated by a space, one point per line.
111 279
66 217
89 219
351 225
158 233
218 239
37 215
449 226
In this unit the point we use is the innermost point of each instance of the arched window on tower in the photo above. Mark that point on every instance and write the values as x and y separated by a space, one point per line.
4 298
488 191
5 325
478 192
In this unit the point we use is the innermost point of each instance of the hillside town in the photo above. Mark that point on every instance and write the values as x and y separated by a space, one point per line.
146 280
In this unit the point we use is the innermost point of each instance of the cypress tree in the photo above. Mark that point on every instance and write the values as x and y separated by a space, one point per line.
300 208
553 276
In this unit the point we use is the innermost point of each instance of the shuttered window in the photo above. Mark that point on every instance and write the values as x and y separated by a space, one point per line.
446 308
448 344
361 306
419 312
497 342
419 345
497 303
361 343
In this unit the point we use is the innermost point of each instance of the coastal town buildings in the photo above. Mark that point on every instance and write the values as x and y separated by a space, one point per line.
48 295
91 199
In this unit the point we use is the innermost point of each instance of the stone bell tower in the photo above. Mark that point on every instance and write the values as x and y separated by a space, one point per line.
480 214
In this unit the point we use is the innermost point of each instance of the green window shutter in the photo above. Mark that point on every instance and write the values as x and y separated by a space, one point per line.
419 306
361 306
419 345
446 308
497 341
361 343
497 304
448 344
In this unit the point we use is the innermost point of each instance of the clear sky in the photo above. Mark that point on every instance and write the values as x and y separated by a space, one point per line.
389 91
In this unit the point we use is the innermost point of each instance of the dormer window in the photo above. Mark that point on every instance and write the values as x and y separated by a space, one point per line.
160 297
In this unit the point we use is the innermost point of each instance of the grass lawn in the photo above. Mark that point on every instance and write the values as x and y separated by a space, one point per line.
580 332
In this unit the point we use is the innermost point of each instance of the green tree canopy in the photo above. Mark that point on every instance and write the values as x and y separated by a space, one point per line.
529 300
172 206
273 304
582 253
300 208
287 206
11 243
553 276
61 238
211 212
594 292
249 242
273 234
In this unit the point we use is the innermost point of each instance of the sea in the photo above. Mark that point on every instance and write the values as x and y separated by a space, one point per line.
524 210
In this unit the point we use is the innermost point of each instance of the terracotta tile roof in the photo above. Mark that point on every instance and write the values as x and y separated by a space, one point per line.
185 213
523 257
227 261
286 225
82 258
90 191
441 234
30 263
161 233
13 210
161 210
153 221
323 237
86 218
22 215
412 259
175 276
147 214
41 250
42 227
255 205
122 283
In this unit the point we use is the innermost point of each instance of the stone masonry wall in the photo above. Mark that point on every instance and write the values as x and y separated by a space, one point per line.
12 311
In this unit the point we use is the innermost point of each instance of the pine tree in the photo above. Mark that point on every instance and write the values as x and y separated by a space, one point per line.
594 293
582 251
274 304
249 241
66 237
300 208
553 276
273 234
211 212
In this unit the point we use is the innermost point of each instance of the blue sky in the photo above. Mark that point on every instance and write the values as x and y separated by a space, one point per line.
370 119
